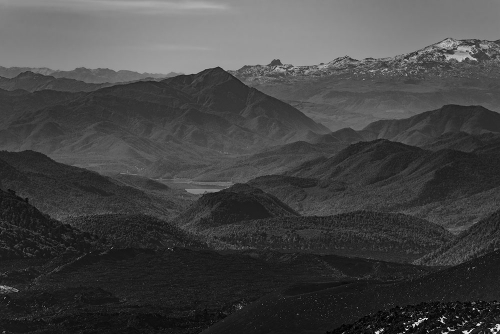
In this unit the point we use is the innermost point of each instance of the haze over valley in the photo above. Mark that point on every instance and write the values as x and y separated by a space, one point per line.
154 180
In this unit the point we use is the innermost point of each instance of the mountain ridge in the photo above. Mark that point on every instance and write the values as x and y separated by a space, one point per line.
353 93
96 76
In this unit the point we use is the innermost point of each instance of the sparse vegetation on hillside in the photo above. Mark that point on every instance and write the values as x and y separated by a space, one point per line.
140 231
480 239
368 234
26 232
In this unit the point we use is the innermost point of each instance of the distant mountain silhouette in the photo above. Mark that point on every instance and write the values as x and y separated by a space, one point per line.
32 82
99 76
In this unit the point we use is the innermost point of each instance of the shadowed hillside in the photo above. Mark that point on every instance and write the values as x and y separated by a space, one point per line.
136 230
61 190
27 233
422 128
386 236
235 204
448 187
468 317
482 238
331 307
189 121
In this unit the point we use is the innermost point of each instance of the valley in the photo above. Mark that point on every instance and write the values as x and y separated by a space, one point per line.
355 196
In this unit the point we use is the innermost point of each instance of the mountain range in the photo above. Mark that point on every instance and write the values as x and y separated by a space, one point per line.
177 122
447 187
32 82
95 76
316 229
461 128
352 93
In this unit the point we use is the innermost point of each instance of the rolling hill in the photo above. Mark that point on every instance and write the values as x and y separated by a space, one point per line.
135 231
236 204
447 187
273 160
27 233
481 238
428 126
383 236
61 190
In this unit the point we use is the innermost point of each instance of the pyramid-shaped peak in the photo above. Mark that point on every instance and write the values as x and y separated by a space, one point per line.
275 62
448 43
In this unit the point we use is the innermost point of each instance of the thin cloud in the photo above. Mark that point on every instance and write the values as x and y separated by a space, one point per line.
133 6
175 47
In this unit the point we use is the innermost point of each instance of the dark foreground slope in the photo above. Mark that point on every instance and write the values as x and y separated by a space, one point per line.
447 187
468 317
174 291
385 236
25 232
483 237
61 190
320 311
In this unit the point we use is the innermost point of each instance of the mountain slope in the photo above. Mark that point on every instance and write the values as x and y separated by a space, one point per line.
384 236
352 93
26 232
481 238
331 307
235 204
180 123
425 127
273 160
471 317
135 231
447 187
62 190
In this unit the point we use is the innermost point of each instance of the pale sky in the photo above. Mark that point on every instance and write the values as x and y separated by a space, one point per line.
189 36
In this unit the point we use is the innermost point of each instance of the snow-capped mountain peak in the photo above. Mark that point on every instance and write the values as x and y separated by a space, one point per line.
449 57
